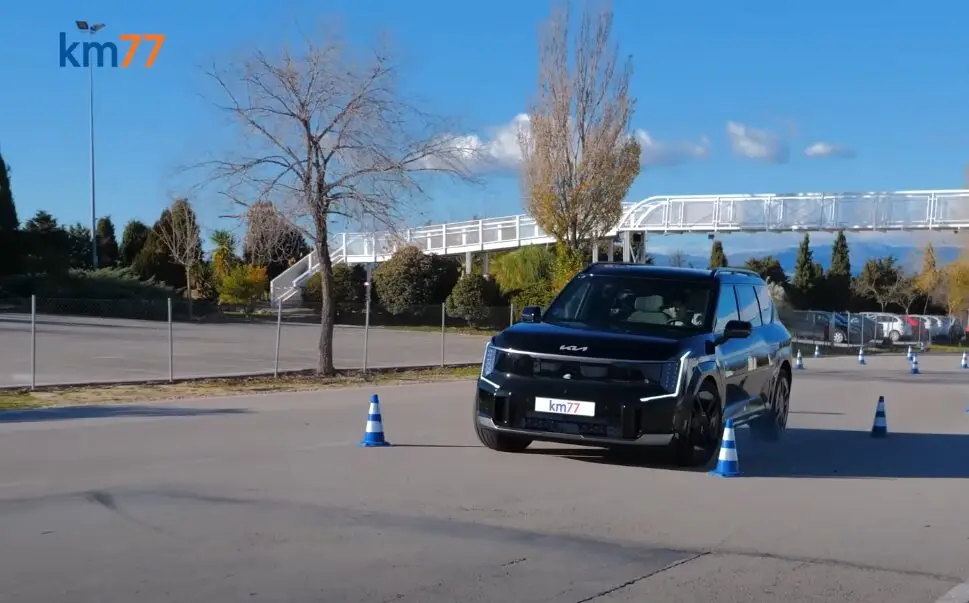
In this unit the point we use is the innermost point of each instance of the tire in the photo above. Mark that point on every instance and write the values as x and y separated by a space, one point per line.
496 440
894 336
772 425
700 443
838 337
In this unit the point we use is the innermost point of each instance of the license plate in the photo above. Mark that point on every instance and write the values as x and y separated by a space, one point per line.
565 407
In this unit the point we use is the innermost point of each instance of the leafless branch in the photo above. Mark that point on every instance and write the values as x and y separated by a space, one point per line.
325 133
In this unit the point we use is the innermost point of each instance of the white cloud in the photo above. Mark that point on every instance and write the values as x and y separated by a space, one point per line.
760 145
825 149
500 150
655 152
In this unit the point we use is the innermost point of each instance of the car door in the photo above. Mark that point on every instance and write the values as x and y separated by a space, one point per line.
758 356
731 355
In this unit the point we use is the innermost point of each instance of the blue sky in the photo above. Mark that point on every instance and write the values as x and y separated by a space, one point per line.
723 90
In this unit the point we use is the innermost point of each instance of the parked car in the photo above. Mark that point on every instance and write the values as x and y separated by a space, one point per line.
891 326
816 325
863 329
629 355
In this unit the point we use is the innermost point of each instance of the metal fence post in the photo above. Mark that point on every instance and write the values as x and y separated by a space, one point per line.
279 330
366 325
443 333
511 314
171 343
33 341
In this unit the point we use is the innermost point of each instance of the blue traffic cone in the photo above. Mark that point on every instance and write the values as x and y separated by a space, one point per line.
879 428
910 354
799 361
965 361
921 347
861 355
727 463
373 435
817 351
915 365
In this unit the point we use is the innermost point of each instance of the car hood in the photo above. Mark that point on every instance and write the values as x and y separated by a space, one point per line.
544 338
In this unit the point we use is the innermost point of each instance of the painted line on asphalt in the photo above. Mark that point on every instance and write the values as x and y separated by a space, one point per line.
959 594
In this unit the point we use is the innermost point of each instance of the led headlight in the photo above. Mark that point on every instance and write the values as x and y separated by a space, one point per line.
488 362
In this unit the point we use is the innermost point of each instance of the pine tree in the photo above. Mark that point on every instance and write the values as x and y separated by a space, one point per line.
10 244
806 273
717 258
839 274
107 243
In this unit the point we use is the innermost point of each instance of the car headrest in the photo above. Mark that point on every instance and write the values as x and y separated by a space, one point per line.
650 303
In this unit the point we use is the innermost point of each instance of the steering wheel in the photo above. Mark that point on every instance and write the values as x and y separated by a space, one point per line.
676 322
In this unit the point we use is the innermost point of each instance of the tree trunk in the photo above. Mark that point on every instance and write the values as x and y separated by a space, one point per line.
328 310
188 289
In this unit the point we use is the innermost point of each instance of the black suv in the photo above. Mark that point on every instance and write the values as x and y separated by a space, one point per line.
631 355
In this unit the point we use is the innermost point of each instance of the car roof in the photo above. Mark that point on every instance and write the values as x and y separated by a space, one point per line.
672 272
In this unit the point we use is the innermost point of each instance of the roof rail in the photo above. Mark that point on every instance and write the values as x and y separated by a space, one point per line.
730 270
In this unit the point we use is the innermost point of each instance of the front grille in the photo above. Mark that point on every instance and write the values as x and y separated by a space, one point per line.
661 374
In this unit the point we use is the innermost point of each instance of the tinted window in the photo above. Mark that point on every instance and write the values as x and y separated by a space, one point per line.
766 305
726 308
629 304
747 300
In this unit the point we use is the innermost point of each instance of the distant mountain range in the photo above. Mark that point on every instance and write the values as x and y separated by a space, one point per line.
908 256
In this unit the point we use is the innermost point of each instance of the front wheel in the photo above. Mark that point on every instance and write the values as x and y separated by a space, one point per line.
501 442
894 336
838 337
699 440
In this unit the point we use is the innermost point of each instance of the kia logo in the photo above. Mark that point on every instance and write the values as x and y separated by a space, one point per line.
572 348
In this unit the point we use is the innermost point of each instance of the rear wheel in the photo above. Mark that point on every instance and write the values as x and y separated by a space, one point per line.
771 426
894 336
838 337
496 440
699 441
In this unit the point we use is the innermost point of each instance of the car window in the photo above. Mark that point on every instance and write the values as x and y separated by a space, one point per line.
726 308
632 304
766 305
747 300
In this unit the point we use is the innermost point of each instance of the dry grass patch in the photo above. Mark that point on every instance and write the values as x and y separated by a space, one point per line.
199 388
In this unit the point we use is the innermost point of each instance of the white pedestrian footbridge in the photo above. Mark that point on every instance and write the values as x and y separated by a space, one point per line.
678 214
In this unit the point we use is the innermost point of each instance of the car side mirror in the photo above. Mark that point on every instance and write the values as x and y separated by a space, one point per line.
531 314
735 329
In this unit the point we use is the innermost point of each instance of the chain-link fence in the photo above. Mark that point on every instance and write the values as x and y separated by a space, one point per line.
65 341
883 329
68 341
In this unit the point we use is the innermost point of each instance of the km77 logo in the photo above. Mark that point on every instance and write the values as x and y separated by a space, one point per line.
71 50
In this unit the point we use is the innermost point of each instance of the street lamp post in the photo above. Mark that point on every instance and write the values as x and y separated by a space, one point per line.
92 29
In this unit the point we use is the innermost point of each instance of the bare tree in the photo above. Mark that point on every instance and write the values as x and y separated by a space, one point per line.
578 156
326 133
180 234
677 259
903 291
267 233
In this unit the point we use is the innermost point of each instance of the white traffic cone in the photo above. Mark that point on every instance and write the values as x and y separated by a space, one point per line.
799 361
817 351
861 355
915 365
965 361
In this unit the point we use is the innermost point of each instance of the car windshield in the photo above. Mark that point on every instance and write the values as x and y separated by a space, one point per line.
629 304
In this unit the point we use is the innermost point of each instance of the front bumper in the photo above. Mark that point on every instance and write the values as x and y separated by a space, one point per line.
621 418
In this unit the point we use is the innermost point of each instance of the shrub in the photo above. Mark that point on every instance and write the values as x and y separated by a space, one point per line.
536 294
568 262
408 279
348 288
470 298
244 285
522 268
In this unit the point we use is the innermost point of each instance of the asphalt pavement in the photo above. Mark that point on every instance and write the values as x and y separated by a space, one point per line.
269 498
88 350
